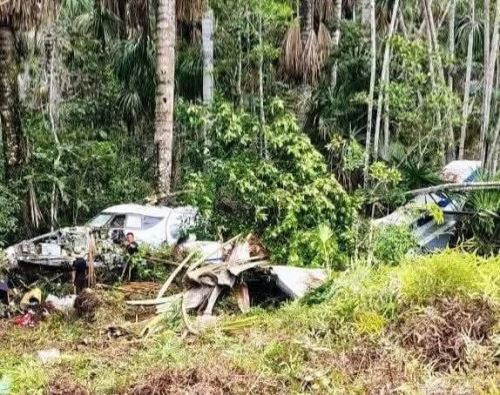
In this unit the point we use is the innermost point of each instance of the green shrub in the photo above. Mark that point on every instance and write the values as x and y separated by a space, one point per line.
391 244
280 189
316 248
9 213
483 227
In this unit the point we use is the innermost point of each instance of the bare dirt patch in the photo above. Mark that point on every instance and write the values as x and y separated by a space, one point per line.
198 381
64 386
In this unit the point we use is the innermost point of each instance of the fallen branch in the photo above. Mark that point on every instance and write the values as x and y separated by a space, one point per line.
160 260
148 302
461 187
185 318
169 281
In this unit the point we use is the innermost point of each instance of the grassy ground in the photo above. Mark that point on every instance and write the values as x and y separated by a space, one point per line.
429 325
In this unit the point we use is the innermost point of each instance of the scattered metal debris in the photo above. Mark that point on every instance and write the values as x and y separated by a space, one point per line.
48 356
65 304
205 283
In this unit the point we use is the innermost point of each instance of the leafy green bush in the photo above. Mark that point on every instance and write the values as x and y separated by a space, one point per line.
391 244
274 182
316 248
9 213
483 227
147 269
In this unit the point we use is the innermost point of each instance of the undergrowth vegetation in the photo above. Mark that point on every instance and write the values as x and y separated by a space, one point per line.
430 325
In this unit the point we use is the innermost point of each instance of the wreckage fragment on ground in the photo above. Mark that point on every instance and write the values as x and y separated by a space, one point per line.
150 225
243 273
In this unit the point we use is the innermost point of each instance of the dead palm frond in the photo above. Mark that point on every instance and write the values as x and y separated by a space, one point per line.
291 57
35 214
189 10
311 64
324 44
324 10
138 14
24 14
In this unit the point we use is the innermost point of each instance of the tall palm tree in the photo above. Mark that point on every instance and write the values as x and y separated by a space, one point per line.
165 76
207 31
14 15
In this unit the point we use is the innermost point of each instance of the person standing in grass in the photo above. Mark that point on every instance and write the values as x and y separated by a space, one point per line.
79 274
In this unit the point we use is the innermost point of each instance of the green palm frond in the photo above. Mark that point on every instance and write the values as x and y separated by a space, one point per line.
134 67
189 71
73 8
485 223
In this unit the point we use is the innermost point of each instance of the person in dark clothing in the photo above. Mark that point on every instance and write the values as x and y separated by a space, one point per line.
130 244
131 247
4 292
79 274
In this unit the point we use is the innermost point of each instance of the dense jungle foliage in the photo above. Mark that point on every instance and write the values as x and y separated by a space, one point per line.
319 115
300 125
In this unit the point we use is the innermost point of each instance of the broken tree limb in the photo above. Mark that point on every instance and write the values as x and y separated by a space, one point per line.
174 274
152 302
160 260
465 186
185 318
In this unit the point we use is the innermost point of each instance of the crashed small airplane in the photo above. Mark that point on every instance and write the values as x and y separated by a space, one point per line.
150 225
429 234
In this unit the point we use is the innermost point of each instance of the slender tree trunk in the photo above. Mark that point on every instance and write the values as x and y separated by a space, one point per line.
449 147
468 74
486 41
451 49
402 23
494 147
432 75
373 39
434 41
336 40
306 20
387 131
489 75
262 115
239 71
366 6
207 29
165 74
10 118
486 54
451 40
384 78
50 71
